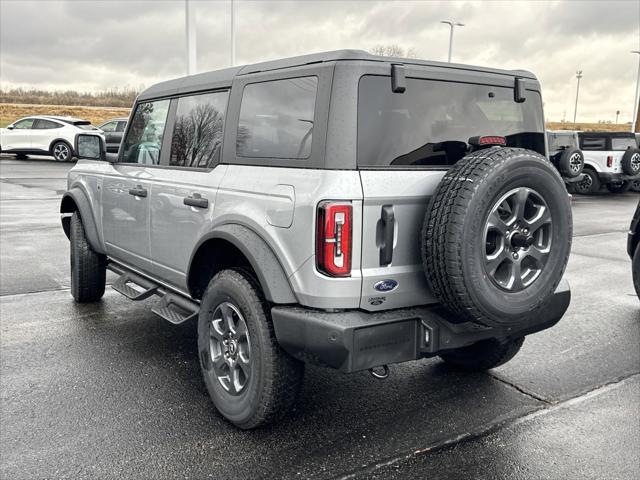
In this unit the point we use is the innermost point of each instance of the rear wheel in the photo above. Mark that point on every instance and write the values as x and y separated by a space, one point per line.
483 355
590 183
250 379
61 151
88 268
571 163
497 237
618 187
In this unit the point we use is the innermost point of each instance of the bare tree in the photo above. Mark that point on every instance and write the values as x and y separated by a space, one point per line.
394 51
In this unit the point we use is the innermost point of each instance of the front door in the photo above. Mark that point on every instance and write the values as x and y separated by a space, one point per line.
19 137
126 189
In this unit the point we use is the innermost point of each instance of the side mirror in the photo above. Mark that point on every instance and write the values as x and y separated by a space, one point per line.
10 127
90 147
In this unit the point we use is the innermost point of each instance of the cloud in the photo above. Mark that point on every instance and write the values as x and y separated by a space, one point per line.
90 45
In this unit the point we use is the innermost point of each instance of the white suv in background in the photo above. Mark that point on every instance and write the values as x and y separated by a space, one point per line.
611 159
44 135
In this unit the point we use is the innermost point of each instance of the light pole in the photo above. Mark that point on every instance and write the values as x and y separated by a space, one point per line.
575 111
617 115
452 25
233 33
636 100
190 30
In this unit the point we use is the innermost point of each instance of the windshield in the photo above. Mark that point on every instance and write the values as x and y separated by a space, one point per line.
558 141
431 122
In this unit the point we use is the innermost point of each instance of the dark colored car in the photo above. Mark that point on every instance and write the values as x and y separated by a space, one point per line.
633 248
113 130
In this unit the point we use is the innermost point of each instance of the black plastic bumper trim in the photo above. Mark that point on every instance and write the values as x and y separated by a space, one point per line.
355 340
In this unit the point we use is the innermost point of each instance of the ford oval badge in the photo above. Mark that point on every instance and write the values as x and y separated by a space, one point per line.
385 285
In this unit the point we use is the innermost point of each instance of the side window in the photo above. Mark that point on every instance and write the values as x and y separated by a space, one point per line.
121 126
25 124
197 135
623 143
144 138
593 143
41 124
276 119
109 127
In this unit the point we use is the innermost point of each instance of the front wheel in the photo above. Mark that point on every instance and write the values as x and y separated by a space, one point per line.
250 379
484 355
61 151
88 268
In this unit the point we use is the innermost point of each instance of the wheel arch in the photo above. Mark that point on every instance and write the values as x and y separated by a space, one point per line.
233 245
75 200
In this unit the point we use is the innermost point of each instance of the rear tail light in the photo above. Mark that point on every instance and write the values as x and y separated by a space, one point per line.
609 161
487 141
334 239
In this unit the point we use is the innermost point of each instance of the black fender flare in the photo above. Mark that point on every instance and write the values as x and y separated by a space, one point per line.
76 200
271 275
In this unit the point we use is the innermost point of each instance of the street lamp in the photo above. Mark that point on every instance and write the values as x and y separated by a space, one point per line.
575 111
452 25
636 100
190 30
617 115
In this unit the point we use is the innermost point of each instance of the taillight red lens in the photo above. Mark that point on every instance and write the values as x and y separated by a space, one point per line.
333 238
609 161
492 140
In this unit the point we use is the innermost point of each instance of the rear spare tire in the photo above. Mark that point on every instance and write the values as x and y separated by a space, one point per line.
497 237
571 162
631 161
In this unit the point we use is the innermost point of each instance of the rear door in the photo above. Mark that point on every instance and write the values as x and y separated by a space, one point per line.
183 194
596 150
43 133
406 143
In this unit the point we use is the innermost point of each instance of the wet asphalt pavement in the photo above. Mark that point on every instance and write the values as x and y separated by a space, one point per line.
112 391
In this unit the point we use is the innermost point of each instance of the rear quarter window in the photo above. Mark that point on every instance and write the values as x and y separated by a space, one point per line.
623 143
277 118
430 124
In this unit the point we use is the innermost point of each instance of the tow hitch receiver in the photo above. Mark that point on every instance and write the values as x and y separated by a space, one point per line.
380 375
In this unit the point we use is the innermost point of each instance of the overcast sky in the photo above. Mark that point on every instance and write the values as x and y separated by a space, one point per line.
93 44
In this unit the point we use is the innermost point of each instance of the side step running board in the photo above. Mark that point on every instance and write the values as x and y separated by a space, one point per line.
176 309
172 307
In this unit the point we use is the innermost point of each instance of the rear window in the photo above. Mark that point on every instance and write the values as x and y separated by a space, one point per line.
559 141
84 125
431 122
623 143
276 119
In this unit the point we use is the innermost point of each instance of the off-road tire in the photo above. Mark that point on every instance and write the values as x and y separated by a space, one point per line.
88 268
570 162
630 162
590 185
453 243
276 377
484 355
635 269
619 187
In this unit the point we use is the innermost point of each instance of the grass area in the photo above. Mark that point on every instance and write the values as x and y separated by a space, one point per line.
590 127
10 112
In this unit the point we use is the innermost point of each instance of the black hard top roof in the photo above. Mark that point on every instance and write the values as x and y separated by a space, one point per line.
608 134
224 77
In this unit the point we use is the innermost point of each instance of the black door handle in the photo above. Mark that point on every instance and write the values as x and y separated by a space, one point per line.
138 191
388 227
196 200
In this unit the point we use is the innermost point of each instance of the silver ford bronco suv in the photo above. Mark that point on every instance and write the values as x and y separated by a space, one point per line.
341 209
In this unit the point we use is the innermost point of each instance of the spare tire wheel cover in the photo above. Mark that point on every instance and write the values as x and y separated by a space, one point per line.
478 216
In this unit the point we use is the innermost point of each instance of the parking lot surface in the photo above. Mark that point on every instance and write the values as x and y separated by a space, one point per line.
112 391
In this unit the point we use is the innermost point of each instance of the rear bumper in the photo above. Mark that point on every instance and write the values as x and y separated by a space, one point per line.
355 340
606 177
